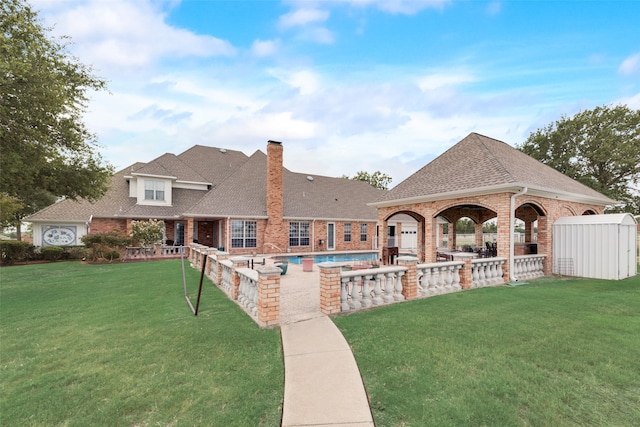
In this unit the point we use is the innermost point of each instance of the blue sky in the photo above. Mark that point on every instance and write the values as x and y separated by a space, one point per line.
346 85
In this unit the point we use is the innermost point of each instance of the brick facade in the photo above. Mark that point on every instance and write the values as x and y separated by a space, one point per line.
482 208
106 225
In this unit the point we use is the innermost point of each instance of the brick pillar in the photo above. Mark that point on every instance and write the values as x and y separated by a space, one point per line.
188 232
330 283
478 234
452 236
410 277
466 278
382 234
504 231
268 295
431 242
421 240
238 262
545 241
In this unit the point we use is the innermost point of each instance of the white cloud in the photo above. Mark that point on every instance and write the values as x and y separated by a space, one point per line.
632 102
630 65
128 34
263 48
302 17
305 81
440 80
318 35
404 7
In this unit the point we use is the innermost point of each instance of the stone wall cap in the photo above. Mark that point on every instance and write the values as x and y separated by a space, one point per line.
269 269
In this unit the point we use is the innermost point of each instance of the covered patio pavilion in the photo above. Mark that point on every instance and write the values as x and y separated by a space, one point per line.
481 178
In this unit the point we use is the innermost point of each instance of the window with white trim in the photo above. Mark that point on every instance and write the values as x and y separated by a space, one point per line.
347 232
153 190
363 232
244 234
299 233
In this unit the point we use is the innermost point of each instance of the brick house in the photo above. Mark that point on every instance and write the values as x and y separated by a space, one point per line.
223 198
481 178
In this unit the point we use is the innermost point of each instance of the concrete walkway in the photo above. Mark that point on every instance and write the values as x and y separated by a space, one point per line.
322 385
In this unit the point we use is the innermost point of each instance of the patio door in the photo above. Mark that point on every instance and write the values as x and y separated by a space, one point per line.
331 236
179 234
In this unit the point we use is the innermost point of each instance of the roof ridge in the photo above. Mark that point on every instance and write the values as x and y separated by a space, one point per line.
501 169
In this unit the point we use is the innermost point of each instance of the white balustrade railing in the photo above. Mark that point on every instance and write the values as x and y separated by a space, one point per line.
438 278
371 287
248 290
528 266
172 250
213 268
227 270
487 272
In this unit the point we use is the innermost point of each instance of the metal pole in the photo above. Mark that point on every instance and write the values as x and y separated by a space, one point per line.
204 264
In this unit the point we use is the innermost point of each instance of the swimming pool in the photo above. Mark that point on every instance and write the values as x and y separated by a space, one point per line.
297 259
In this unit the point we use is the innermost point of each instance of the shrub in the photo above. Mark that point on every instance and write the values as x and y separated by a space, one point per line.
51 253
147 233
111 255
12 251
101 245
77 252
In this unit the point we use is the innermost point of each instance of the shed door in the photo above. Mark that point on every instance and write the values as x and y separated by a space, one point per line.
627 252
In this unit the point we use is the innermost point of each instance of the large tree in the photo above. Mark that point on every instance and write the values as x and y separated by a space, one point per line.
46 151
377 179
599 147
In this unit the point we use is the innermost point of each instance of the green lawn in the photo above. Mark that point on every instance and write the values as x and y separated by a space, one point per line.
116 345
551 353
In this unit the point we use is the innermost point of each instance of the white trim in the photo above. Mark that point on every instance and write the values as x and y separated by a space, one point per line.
500 188
148 175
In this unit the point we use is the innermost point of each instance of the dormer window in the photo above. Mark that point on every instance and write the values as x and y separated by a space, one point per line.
153 190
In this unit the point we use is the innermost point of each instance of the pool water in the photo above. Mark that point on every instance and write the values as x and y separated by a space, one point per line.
297 259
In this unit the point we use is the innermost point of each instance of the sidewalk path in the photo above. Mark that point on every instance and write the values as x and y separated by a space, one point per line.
322 384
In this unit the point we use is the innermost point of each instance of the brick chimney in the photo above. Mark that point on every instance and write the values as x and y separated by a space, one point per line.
275 235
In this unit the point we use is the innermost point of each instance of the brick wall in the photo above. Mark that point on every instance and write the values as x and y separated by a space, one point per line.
106 225
496 205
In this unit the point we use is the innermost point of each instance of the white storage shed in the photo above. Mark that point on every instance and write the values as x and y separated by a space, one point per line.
596 246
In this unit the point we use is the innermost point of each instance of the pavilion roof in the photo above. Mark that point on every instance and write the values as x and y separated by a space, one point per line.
481 165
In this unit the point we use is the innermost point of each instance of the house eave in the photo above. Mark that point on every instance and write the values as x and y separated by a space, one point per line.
298 218
154 176
496 189
194 182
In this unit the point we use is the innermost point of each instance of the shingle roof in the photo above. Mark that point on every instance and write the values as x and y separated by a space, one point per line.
244 194
214 164
328 198
479 162
82 210
239 190
170 165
